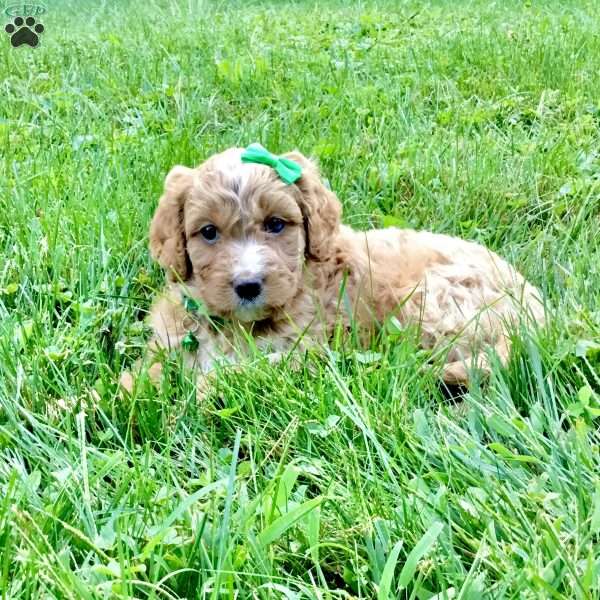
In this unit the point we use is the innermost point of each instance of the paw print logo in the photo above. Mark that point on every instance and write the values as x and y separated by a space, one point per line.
24 31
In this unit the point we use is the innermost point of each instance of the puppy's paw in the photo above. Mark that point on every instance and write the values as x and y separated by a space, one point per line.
294 362
155 373
127 381
206 383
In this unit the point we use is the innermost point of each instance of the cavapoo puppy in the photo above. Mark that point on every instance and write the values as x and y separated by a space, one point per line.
256 255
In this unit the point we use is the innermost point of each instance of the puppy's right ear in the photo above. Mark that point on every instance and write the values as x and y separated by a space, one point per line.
167 239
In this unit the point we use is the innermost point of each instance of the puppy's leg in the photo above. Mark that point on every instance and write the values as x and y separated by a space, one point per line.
127 379
457 372
154 370
293 361
208 377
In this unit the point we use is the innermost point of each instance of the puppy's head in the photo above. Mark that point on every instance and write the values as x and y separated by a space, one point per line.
238 236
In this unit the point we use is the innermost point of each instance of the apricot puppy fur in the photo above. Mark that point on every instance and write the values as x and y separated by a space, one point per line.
272 263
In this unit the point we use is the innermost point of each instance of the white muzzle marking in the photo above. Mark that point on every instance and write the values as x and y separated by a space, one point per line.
250 263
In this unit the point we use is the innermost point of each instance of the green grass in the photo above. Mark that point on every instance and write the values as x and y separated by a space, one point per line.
354 477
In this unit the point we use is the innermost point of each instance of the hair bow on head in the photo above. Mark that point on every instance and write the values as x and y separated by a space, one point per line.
288 170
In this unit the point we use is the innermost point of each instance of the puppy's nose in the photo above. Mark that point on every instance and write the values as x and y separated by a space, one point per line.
248 290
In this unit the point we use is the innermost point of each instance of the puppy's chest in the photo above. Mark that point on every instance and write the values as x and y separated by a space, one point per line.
206 339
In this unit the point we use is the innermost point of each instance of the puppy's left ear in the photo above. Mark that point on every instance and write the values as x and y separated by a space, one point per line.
320 208
167 239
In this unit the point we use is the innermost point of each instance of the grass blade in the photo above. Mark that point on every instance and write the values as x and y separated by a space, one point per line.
388 572
283 523
422 547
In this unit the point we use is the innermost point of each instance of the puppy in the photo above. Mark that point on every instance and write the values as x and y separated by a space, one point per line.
253 259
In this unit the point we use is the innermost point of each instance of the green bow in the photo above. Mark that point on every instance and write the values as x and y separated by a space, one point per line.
289 170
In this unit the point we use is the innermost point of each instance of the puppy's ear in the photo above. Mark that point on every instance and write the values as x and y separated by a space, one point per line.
167 239
320 208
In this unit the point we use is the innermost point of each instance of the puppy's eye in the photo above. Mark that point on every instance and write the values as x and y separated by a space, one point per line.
274 225
210 233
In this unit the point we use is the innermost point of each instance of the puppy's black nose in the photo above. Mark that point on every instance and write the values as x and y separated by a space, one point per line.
248 290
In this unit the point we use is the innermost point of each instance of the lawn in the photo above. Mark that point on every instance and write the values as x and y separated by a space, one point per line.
354 476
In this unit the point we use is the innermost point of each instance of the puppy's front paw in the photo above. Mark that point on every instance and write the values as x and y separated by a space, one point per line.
127 379
275 358
206 384
126 382
294 362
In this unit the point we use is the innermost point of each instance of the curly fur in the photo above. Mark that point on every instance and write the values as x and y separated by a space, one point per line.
462 296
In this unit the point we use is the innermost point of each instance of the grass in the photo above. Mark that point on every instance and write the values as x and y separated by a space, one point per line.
353 477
